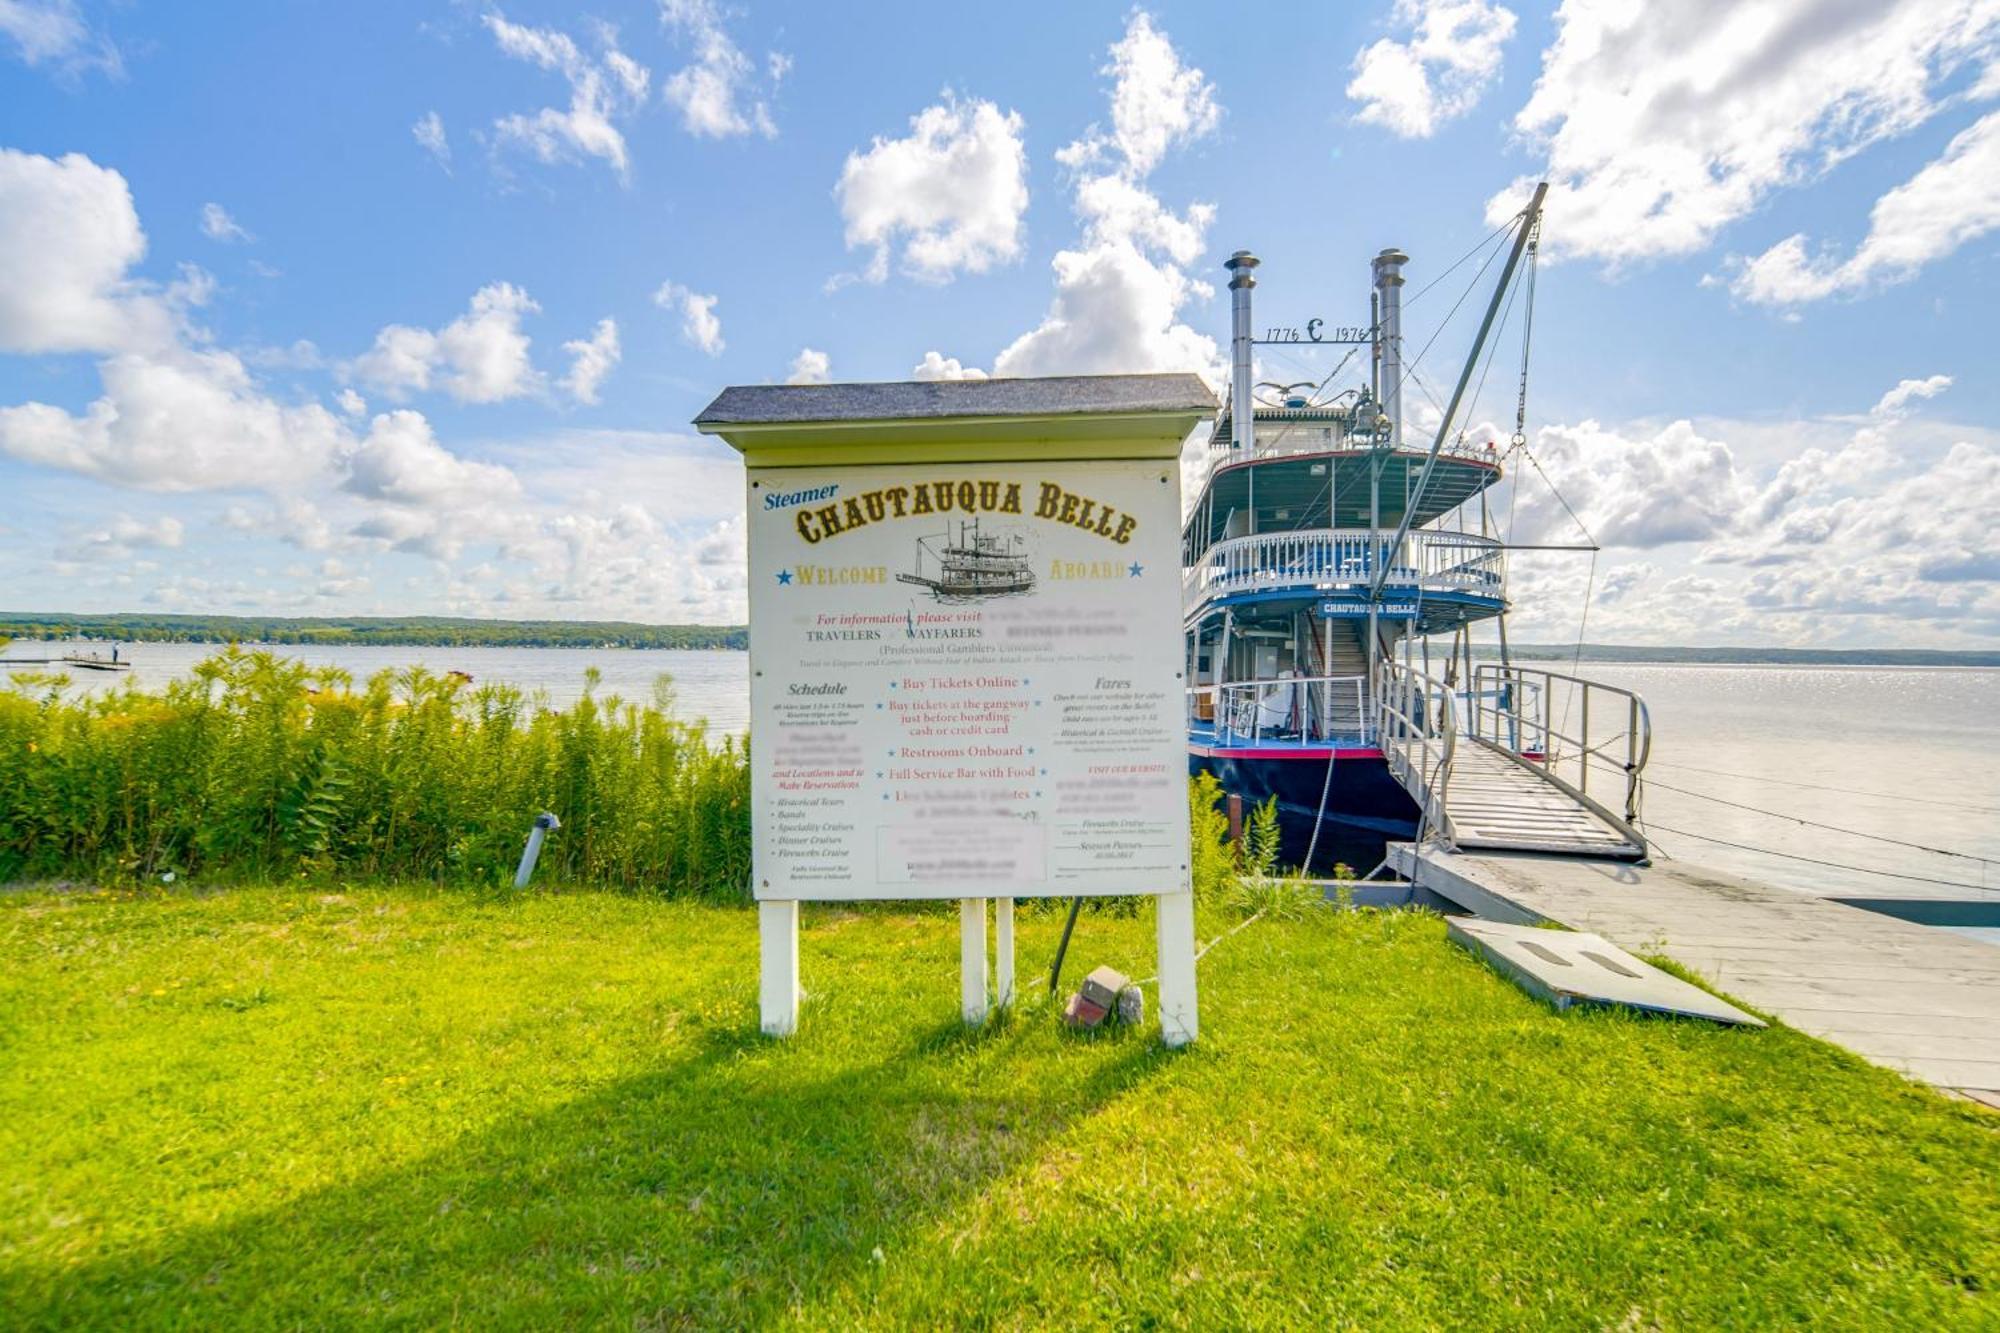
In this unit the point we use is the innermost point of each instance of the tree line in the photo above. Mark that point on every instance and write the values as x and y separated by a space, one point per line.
448 631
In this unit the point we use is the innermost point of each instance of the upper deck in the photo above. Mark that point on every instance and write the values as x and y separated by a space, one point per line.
1310 469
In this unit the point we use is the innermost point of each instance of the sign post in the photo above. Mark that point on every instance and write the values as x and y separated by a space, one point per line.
966 669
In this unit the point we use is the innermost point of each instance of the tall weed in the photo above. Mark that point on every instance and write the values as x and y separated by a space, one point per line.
259 766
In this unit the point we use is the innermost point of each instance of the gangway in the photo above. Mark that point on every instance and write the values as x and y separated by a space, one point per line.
1491 772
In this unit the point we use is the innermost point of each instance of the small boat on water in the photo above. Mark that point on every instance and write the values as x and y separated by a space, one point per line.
1321 548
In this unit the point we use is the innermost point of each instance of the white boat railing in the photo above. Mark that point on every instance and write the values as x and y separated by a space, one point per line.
1301 438
1603 727
1304 709
1332 561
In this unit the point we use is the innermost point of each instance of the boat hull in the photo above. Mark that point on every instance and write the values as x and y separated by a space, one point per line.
1365 807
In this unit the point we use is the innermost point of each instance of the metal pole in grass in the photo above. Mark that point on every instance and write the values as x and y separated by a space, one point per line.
544 822
1062 947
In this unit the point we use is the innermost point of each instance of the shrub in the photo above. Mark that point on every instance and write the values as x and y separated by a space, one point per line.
259 766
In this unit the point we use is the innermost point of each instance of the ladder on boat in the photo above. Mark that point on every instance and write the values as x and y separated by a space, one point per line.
1491 772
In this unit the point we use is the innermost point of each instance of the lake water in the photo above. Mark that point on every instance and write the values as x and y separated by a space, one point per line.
1909 753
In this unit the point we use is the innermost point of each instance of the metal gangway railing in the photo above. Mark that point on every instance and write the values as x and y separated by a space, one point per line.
1303 709
1612 730
1489 768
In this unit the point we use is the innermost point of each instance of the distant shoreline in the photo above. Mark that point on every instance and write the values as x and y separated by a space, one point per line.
348 631
454 632
1666 656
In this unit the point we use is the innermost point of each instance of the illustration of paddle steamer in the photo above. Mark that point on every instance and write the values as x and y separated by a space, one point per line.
976 564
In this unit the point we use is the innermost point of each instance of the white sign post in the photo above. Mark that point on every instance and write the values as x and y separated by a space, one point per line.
966 666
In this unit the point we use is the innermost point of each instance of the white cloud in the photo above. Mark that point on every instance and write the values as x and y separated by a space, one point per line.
1952 200
401 461
1867 539
176 415
591 359
936 366
1633 491
1413 87
480 357
1663 123
430 134
53 33
217 225
1121 290
700 325
68 236
180 421
601 91
954 192
809 367
123 535
714 94
1157 103
1895 402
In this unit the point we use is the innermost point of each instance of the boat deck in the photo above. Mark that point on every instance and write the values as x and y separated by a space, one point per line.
1203 739
1917 999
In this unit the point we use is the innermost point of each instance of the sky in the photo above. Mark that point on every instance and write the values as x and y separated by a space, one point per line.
380 309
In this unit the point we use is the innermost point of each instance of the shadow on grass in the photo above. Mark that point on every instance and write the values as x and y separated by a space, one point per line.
731 1186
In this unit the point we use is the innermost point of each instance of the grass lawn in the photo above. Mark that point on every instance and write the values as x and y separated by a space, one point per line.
296 1108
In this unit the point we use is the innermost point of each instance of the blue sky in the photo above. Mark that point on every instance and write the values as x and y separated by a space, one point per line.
322 309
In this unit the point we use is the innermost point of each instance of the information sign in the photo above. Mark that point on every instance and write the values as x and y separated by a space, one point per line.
964 681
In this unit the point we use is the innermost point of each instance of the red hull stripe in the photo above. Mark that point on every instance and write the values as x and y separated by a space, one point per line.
1279 752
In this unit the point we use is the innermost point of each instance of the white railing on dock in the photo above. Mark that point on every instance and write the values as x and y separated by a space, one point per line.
1602 727
1304 709
1342 561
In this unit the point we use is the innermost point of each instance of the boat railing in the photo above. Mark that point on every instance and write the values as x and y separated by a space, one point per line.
1417 722
1302 438
1344 560
1298 709
1602 727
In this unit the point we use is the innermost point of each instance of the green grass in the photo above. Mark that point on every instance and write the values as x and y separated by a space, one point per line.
283 1107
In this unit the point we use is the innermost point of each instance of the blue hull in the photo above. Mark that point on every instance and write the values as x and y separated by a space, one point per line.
1366 808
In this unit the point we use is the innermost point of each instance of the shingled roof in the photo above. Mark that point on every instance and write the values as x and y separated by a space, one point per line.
921 400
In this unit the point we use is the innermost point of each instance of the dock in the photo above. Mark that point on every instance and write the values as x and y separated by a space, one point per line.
1513 833
1915 999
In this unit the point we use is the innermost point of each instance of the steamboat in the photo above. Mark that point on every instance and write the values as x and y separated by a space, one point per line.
1333 575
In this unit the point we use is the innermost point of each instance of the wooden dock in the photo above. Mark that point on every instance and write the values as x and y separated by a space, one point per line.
1917 999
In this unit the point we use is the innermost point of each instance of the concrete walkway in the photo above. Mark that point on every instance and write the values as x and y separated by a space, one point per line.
1920 1000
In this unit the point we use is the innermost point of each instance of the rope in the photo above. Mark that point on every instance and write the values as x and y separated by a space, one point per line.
1608 767
1813 860
1410 366
1479 245
1815 786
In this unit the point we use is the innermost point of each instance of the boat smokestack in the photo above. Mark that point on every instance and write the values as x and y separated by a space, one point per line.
1242 419
1389 337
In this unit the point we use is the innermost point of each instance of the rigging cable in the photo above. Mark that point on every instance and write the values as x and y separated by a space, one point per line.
1410 366
1813 860
1810 823
1815 786
1477 246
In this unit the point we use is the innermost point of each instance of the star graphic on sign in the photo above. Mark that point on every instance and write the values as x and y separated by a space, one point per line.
784 576
1137 569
